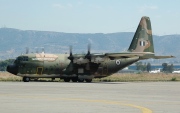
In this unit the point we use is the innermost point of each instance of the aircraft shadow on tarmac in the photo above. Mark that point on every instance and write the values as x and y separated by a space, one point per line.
100 82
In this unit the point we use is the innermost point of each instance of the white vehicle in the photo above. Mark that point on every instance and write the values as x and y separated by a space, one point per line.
155 71
177 71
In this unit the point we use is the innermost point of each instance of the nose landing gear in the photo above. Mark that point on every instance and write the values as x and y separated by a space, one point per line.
26 79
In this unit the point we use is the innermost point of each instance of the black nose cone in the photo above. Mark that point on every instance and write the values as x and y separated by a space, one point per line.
12 69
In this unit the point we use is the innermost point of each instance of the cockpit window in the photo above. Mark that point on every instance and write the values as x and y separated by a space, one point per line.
24 58
19 58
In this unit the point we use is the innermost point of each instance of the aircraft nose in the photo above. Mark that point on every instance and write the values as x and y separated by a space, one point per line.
12 69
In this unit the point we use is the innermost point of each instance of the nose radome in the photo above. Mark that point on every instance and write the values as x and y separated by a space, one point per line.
8 68
12 69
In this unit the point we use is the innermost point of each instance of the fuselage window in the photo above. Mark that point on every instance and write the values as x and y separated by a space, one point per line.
25 58
19 59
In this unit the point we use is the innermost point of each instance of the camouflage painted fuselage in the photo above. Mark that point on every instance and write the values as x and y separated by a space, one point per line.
57 66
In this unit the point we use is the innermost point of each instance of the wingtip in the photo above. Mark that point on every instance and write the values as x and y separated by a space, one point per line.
173 56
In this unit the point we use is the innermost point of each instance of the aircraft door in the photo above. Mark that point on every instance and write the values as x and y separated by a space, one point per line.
39 70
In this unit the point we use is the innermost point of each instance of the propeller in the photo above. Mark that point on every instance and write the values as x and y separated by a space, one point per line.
86 59
71 58
88 56
70 54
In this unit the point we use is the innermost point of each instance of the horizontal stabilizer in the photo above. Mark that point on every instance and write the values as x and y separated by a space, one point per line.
162 57
128 54
154 57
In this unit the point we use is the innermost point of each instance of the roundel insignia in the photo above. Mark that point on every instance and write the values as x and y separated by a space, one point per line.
118 62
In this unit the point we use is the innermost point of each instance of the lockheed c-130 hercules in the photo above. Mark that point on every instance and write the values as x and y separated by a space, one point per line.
80 67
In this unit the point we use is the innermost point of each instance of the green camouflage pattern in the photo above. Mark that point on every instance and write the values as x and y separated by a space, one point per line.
80 67
142 40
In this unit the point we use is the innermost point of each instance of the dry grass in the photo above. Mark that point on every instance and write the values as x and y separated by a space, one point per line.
127 77
118 77
5 76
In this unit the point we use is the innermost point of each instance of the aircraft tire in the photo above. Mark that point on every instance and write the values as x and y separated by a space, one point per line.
52 79
80 80
26 79
74 79
88 80
66 79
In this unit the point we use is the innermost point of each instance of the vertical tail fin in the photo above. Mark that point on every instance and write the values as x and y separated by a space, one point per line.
142 40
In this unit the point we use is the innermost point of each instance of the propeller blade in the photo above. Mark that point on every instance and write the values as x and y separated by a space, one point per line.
70 54
70 50
88 55
71 66
89 48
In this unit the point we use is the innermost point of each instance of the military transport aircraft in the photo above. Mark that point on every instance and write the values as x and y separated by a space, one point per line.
80 67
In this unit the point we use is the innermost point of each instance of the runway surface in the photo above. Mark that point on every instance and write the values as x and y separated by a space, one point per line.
116 97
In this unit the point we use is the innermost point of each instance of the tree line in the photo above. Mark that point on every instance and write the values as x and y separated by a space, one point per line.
5 63
167 68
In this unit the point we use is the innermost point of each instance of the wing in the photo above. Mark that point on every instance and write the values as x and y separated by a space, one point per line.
98 58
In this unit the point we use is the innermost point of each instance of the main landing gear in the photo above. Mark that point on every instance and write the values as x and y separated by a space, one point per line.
74 79
67 79
88 80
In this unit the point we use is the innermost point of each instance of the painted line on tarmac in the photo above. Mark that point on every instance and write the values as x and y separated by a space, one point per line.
142 109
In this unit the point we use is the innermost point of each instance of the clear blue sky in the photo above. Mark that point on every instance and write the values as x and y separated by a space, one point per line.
90 16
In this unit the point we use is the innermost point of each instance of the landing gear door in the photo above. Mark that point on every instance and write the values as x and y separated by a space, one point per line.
39 70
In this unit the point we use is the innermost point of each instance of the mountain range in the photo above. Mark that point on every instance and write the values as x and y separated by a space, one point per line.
13 42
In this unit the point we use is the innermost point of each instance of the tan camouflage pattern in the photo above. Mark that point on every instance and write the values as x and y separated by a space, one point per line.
45 57
144 25
142 40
